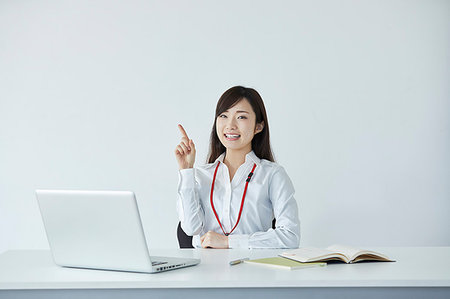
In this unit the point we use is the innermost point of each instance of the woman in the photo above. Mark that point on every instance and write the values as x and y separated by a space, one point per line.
231 201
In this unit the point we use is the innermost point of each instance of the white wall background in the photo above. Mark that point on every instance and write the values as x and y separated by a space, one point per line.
357 93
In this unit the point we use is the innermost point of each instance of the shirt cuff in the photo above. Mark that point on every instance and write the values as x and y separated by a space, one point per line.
196 243
187 178
238 241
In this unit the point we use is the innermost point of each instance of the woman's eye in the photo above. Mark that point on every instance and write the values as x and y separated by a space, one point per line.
239 117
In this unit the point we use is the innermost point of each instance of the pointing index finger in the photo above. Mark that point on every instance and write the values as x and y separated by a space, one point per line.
183 132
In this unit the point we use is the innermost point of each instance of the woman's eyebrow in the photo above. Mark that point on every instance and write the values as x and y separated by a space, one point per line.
239 111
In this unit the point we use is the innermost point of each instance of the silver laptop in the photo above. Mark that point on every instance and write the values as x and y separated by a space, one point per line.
100 230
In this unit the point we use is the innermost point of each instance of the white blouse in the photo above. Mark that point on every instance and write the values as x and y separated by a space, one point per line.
270 194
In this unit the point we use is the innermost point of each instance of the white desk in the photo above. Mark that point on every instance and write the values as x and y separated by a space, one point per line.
32 273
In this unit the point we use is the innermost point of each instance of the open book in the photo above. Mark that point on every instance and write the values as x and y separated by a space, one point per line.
335 252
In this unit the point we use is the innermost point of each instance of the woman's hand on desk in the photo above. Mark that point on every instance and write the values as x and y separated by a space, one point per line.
185 150
214 240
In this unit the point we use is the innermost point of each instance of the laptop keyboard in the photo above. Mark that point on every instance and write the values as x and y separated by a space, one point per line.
156 263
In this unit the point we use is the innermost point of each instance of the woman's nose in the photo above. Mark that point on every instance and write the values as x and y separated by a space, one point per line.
231 123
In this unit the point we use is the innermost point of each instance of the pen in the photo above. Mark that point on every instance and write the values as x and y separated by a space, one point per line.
235 262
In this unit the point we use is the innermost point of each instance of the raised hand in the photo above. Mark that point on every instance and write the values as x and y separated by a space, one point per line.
185 150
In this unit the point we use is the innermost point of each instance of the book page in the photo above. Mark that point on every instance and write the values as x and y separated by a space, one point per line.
352 253
349 252
308 254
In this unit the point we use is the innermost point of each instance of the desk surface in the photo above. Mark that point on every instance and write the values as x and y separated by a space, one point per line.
415 267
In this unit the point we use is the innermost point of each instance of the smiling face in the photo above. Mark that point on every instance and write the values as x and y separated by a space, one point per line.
236 127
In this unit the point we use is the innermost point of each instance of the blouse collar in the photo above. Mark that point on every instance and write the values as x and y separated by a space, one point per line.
250 157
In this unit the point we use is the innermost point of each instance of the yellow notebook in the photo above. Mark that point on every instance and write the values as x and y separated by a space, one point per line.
281 262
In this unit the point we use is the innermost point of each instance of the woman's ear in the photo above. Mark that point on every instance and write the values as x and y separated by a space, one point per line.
259 127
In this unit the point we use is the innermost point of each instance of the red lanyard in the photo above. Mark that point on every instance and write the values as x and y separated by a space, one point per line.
243 198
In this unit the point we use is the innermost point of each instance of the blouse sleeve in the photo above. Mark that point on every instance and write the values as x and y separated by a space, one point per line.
190 211
287 231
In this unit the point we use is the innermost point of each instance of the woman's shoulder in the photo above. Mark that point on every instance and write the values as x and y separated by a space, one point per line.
270 165
274 168
277 175
205 168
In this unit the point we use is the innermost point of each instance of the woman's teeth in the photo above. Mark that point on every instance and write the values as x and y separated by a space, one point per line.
232 137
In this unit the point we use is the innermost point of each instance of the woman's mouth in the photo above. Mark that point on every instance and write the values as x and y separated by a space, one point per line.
232 137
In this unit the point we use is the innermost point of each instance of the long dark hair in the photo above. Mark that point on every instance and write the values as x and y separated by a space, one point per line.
261 141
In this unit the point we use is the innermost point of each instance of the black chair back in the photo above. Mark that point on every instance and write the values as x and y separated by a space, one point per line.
184 240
